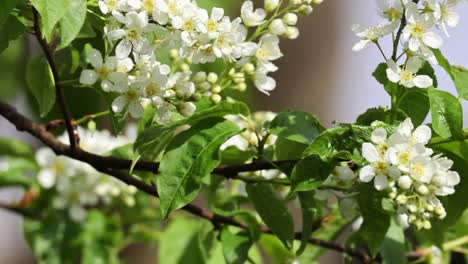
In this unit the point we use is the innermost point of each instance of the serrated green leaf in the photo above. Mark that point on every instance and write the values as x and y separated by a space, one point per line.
376 221
192 156
235 246
72 22
461 81
10 30
273 211
7 7
329 143
393 247
296 126
41 84
51 12
447 114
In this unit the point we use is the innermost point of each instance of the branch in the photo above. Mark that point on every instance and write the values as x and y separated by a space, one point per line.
72 133
107 166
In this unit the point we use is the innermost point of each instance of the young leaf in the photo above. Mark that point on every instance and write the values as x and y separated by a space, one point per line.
296 126
376 220
185 164
273 211
461 81
235 246
15 148
415 104
16 172
7 6
10 30
51 12
41 84
380 73
374 114
393 247
72 22
329 143
447 114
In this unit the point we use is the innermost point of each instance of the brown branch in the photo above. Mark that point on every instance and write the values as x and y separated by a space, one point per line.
107 165
72 132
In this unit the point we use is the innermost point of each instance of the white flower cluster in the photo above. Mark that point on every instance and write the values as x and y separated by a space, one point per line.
414 177
78 185
411 23
134 32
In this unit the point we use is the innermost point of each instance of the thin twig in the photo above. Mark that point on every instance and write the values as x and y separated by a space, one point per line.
72 132
104 165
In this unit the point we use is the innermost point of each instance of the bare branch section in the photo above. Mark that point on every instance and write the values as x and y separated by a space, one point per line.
111 166
72 132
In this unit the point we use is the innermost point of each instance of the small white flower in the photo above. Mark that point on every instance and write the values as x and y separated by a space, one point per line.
130 98
407 76
250 17
388 11
277 27
271 5
372 34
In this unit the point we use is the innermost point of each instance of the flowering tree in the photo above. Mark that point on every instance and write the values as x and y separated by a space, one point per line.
175 70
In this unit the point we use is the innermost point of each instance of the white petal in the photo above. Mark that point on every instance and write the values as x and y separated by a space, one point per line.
422 134
95 58
392 75
116 34
379 135
432 40
361 45
366 174
370 153
46 178
423 81
119 104
217 13
88 77
264 83
414 44
413 64
380 182
453 178
123 49
344 173
135 109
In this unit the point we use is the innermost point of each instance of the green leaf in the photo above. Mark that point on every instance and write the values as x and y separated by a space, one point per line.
329 143
72 22
380 73
273 211
443 61
393 247
7 7
15 148
296 126
154 139
16 172
447 114
415 104
179 243
51 12
427 69
41 83
189 160
376 221
233 155
460 76
309 173
309 215
235 246
12 29
374 114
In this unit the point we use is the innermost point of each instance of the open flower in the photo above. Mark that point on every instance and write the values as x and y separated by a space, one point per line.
130 100
372 34
250 17
407 76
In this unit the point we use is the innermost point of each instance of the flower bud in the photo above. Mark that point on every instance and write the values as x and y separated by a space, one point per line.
241 87
186 109
215 98
290 19
427 224
92 126
216 89
404 182
212 77
271 5
296 2
292 33
174 54
411 218
185 67
401 199
204 86
305 10
277 27
439 210
317 2
412 208
249 68
196 97
199 77
422 189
